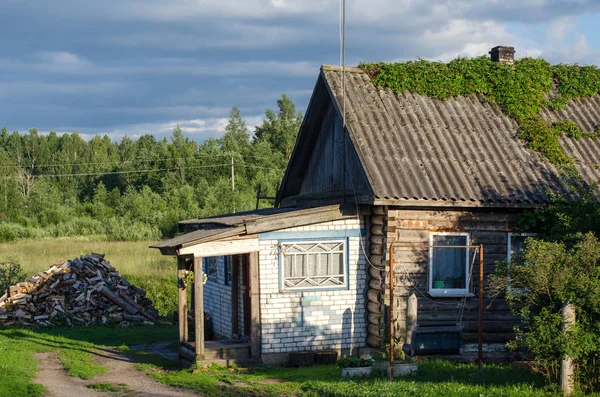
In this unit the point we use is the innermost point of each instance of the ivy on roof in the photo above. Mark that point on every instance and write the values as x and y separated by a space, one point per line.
522 91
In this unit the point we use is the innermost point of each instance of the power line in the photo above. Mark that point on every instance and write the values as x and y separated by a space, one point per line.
138 160
125 172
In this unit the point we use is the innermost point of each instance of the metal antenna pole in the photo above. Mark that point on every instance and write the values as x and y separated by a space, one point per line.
233 182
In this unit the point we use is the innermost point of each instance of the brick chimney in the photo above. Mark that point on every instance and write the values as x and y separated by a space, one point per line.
504 55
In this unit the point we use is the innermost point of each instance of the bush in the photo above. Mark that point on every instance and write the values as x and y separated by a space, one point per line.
120 229
10 274
553 274
162 291
75 227
14 231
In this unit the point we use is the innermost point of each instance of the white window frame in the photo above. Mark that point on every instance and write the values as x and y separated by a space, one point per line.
449 292
284 288
509 258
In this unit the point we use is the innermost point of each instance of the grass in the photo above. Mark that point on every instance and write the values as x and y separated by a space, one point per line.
107 387
129 258
76 347
143 266
436 378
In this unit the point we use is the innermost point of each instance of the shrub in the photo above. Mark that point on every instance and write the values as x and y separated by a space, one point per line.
120 229
553 274
14 231
10 274
162 291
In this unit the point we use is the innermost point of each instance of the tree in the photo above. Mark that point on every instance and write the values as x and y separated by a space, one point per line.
281 128
236 138
560 265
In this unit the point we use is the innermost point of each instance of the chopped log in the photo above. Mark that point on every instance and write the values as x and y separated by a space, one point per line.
374 307
376 285
83 289
374 296
374 341
374 273
118 300
374 318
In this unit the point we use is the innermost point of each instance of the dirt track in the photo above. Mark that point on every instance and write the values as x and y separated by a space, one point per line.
121 370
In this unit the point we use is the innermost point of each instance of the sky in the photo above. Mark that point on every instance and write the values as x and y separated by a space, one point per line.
134 67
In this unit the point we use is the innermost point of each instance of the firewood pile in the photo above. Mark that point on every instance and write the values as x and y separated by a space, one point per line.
82 291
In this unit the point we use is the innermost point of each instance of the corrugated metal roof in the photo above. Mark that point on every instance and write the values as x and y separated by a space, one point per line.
463 149
237 217
253 222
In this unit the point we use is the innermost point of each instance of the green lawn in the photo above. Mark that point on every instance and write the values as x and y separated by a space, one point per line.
436 378
77 345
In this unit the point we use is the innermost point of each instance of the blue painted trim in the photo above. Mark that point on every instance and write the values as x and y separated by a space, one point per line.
322 234
346 285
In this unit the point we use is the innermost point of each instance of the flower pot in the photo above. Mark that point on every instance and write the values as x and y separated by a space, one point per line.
401 368
358 372
438 284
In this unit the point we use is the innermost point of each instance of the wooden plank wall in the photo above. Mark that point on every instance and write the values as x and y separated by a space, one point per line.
411 228
326 171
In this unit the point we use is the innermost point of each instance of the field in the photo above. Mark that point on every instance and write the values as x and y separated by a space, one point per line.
130 258
143 266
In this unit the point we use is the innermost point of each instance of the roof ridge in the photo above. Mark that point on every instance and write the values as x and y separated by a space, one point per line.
338 68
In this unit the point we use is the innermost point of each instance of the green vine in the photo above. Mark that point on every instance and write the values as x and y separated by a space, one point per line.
522 91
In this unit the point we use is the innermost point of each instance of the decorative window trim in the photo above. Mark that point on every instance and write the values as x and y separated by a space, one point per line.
345 250
449 292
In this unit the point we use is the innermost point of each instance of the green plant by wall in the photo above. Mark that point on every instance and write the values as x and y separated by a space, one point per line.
522 91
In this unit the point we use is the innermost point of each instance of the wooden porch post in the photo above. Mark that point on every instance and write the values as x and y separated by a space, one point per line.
182 301
254 305
235 294
198 308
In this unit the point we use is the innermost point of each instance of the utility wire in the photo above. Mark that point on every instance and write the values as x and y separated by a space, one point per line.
125 172
140 160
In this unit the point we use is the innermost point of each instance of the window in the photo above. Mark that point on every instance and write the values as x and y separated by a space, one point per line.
311 265
228 266
448 266
516 245
210 268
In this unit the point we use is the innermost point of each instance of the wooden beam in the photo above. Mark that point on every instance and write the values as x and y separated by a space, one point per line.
182 301
300 218
424 204
222 248
199 308
235 288
255 326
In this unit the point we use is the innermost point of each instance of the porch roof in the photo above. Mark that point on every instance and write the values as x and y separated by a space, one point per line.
244 225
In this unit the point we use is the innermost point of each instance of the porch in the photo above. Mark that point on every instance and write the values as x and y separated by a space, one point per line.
238 237
193 346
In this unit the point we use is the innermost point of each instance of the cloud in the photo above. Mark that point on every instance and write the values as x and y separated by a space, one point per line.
127 67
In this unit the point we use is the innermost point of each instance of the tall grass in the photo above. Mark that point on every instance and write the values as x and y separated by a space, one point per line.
135 261
129 258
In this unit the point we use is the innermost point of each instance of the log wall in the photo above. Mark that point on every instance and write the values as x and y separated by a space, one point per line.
411 229
376 269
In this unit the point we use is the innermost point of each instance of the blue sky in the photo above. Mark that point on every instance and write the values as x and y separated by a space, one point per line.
130 67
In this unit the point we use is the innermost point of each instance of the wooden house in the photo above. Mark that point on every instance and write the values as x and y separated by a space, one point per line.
407 171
